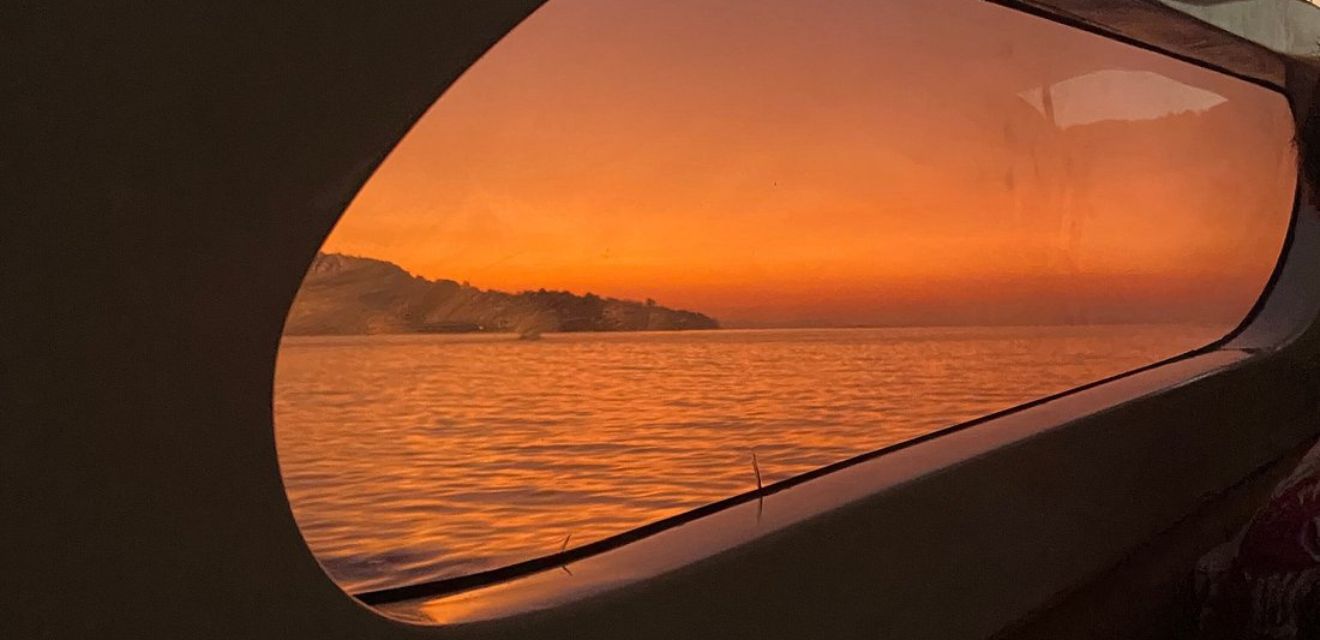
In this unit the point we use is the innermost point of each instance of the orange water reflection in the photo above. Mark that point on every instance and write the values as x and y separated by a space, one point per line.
416 457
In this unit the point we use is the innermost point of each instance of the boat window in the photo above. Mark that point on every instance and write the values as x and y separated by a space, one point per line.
645 256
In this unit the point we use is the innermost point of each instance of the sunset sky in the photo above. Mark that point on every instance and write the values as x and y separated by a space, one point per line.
781 162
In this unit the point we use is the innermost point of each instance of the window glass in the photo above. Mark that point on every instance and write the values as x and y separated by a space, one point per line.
639 243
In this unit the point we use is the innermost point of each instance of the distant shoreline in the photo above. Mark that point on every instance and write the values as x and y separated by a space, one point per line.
513 335
349 295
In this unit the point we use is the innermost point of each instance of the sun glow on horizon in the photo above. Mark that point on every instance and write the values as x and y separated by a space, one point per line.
822 164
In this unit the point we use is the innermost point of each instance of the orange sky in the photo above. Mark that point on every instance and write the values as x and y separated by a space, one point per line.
777 162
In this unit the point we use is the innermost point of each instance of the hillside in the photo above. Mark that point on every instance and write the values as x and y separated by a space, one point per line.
344 295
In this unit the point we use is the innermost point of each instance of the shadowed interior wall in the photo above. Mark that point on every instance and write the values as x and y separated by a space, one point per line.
175 170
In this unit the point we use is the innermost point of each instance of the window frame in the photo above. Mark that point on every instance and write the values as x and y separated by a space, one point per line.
538 583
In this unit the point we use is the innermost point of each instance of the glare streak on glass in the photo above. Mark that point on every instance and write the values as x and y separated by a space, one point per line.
899 215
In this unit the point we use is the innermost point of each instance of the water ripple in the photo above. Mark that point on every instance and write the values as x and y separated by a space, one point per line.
409 458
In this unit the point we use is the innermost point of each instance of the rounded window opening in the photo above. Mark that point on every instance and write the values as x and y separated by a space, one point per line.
645 256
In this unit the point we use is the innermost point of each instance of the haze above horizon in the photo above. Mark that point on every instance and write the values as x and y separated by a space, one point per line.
822 164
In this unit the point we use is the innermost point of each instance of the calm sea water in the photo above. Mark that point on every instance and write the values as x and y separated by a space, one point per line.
415 457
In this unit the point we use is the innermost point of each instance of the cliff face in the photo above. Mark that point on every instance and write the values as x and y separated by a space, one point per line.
344 295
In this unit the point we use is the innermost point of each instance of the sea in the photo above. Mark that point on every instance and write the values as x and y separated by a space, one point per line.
409 458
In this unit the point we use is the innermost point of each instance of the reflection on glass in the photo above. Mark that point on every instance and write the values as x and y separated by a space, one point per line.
898 215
